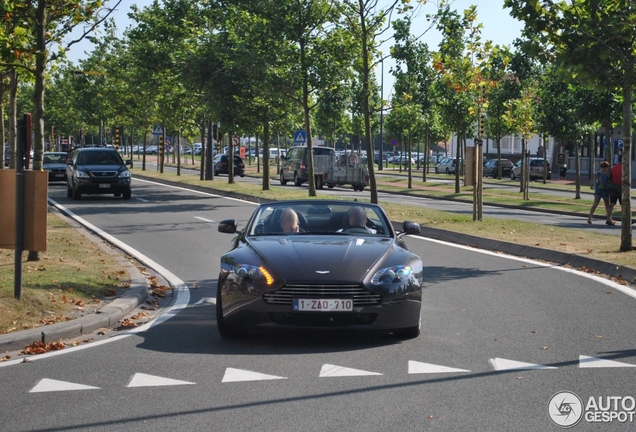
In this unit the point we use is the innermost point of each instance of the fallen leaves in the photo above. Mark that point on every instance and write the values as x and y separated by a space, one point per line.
5 358
41 348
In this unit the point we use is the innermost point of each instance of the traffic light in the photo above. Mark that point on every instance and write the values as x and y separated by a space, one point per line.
117 136
482 126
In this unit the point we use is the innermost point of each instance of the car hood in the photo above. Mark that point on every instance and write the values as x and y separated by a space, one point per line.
102 167
54 166
320 258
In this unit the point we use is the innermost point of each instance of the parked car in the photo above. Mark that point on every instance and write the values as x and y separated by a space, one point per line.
221 165
97 171
55 164
328 275
151 150
491 168
446 165
535 172
295 163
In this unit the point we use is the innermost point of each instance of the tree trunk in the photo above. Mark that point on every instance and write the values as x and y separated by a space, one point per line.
265 155
13 115
577 169
626 202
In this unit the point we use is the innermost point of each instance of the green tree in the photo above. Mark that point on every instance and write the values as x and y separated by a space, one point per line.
596 43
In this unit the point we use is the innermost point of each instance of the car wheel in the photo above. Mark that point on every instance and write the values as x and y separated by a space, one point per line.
297 182
77 195
331 186
512 176
127 194
319 183
447 171
436 170
224 329
282 179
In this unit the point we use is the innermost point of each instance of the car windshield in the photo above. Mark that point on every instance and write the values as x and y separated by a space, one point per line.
319 218
99 158
54 158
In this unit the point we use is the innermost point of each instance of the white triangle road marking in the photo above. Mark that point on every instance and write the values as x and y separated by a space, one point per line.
144 380
329 370
595 362
424 368
238 375
51 385
504 364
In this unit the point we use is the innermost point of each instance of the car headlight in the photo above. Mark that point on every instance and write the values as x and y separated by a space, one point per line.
255 274
391 275
124 174
80 174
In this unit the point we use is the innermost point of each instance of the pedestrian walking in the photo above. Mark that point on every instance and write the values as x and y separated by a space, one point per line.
601 191
615 190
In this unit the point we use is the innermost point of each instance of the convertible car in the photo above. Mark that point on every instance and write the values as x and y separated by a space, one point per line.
342 265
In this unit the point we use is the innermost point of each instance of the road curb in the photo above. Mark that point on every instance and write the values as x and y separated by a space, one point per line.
107 316
625 273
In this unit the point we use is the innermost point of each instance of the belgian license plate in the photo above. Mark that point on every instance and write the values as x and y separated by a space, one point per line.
322 305
104 185
59 175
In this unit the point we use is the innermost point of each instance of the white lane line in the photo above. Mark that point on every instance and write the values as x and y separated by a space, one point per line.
196 191
182 293
624 289
203 219
142 200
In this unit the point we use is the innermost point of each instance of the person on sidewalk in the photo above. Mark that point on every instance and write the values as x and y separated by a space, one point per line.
601 191
614 188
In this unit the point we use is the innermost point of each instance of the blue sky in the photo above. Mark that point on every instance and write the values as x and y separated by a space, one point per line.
498 26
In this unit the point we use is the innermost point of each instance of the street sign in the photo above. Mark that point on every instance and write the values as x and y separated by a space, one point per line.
157 130
236 140
300 136
394 142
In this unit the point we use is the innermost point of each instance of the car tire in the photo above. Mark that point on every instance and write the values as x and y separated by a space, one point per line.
447 171
77 195
319 183
283 182
127 194
297 182
225 330
512 176
436 170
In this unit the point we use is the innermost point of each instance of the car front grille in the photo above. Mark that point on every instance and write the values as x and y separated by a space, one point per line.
104 174
360 296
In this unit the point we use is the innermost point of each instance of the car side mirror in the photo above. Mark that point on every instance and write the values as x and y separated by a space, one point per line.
409 227
228 226
128 162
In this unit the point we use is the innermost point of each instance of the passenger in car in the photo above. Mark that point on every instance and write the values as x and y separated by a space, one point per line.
358 219
289 221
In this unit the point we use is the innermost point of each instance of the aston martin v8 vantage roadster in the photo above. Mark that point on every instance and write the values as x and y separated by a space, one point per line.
322 265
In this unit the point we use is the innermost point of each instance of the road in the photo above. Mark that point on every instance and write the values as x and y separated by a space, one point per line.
500 337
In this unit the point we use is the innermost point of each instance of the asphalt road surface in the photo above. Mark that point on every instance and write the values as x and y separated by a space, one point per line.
501 336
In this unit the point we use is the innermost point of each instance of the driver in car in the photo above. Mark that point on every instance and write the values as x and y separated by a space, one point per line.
358 220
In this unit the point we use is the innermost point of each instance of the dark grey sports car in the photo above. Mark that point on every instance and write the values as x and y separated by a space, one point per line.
319 264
